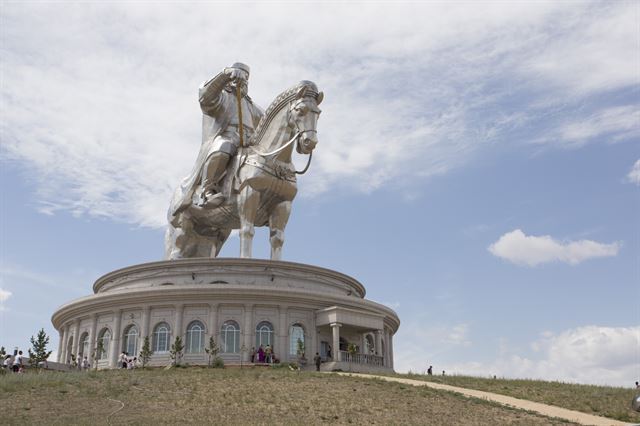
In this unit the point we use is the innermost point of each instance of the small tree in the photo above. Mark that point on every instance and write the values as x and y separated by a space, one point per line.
300 348
212 350
3 353
146 352
176 351
39 353
352 349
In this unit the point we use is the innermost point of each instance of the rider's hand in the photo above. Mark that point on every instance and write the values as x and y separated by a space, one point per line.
235 73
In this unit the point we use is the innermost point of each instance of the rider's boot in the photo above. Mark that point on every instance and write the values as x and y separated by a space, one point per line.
211 175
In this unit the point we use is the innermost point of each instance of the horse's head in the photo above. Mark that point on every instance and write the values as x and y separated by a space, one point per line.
303 116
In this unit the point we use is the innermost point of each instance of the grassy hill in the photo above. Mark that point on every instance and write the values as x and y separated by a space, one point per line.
234 396
603 401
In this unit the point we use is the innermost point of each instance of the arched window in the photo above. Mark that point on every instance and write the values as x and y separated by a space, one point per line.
105 337
83 347
264 334
296 334
230 337
130 341
160 339
369 345
195 338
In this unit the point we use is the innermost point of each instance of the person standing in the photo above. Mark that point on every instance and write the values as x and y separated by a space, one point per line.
123 360
317 360
430 370
260 354
17 363
7 363
267 353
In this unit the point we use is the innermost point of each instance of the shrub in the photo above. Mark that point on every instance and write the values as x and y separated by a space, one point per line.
218 362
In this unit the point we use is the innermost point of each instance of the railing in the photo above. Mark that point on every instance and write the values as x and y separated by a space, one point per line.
376 360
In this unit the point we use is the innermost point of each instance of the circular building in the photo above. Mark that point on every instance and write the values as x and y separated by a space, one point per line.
242 303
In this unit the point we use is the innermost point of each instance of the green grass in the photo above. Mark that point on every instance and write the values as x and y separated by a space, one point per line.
604 401
233 396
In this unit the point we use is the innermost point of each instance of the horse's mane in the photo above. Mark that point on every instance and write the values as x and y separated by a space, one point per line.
276 106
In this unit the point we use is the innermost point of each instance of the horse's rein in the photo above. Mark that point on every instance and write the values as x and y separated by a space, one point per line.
292 140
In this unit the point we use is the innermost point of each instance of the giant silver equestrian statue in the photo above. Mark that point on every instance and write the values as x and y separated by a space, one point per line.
244 175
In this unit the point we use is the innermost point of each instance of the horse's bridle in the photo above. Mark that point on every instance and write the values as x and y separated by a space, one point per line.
296 136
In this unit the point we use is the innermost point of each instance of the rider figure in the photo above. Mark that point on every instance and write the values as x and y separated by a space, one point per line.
220 124
220 135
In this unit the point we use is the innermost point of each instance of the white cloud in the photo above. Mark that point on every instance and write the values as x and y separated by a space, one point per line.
619 123
634 174
591 55
518 248
589 354
418 343
4 296
107 124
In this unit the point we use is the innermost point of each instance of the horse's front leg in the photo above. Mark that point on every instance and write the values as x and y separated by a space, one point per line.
248 203
277 222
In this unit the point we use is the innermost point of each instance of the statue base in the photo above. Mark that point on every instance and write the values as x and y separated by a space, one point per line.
296 309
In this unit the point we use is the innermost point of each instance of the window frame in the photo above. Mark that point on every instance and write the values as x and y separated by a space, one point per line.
189 346
261 332
225 332
155 338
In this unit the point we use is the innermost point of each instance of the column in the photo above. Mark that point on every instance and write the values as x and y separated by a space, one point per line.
115 339
248 331
178 323
65 339
283 331
213 323
379 343
60 344
363 343
76 338
386 348
317 345
313 335
390 350
92 338
144 331
335 344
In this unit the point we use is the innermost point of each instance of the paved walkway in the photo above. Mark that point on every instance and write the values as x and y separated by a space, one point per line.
544 409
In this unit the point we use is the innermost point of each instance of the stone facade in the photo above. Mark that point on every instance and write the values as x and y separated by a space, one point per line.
241 303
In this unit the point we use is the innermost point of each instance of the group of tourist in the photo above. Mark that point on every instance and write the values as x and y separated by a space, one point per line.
264 355
127 362
14 363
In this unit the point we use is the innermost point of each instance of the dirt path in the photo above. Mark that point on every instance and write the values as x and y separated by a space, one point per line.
544 409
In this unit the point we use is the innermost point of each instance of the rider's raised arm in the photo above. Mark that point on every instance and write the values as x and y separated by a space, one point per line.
210 92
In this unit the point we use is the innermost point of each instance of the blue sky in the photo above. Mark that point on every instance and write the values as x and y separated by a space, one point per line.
478 168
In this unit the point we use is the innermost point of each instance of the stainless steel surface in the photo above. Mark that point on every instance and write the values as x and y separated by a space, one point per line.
234 187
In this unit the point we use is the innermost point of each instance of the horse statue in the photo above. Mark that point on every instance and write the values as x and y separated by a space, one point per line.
260 181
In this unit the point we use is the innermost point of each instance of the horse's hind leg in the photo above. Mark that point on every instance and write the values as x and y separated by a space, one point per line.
248 202
277 222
